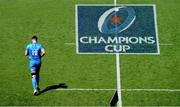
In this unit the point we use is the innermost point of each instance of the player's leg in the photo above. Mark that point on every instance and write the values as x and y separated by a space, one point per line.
38 75
34 83
37 80
33 74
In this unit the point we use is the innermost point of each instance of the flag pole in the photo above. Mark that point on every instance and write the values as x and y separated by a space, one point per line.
118 71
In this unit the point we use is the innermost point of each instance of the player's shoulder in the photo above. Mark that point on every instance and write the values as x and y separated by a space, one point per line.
29 45
39 44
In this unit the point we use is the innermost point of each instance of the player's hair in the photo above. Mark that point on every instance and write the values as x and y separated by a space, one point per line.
34 37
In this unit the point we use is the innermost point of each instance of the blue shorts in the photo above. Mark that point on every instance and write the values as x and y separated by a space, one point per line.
35 66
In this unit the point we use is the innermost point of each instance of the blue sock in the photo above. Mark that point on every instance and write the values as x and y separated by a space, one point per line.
37 79
34 83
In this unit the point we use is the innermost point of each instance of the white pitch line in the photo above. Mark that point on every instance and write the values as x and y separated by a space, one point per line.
160 90
149 90
69 44
163 44
166 44
82 89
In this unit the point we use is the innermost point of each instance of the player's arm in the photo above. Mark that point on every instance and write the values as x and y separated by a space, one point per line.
42 52
26 53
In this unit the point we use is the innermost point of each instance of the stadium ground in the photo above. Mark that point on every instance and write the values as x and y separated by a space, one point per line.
54 22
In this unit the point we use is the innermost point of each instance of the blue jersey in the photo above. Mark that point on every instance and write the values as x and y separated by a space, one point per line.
34 51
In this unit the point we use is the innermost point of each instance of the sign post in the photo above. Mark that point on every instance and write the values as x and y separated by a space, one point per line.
116 29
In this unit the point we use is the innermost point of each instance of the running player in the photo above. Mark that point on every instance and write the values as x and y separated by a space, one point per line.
35 52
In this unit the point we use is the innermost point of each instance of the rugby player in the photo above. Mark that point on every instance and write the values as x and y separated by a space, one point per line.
35 52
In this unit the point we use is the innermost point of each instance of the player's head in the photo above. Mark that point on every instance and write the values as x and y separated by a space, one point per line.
34 39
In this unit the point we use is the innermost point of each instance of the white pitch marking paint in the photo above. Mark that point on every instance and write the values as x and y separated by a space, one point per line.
88 89
118 73
166 44
108 89
70 44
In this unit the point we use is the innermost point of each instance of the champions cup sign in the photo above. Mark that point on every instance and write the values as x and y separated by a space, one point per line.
124 29
116 29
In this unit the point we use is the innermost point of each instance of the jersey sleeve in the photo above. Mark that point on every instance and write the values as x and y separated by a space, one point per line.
27 47
42 48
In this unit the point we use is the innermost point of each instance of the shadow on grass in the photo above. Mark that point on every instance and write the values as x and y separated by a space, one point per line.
53 87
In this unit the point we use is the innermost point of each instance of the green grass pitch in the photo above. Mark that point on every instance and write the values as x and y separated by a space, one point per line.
54 22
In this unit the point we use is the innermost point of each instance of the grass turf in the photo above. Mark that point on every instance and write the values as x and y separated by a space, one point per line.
53 21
